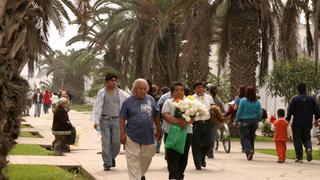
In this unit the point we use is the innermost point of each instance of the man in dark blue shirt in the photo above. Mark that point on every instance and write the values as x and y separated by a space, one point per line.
137 116
302 107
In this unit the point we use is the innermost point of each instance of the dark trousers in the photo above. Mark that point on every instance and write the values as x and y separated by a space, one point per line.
247 135
201 141
177 162
59 144
213 138
301 136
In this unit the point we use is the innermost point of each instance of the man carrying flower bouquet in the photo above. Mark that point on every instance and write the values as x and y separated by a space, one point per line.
201 128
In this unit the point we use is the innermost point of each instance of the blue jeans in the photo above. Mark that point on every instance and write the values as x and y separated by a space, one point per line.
37 109
247 135
110 138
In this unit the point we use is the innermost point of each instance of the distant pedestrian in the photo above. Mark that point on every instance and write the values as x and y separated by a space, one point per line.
213 90
37 100
166 94
138 115
248 116
302 107
46 101
280 135
54 100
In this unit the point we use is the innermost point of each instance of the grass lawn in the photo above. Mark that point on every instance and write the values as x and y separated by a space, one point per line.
27 134
25 126
30 149
21 172
290 153
81 107
258 139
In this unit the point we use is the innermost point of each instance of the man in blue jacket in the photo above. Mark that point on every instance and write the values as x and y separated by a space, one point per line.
302 107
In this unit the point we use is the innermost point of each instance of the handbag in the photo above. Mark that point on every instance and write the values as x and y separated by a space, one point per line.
176 138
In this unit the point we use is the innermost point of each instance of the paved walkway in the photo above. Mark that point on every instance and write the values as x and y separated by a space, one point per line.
224 166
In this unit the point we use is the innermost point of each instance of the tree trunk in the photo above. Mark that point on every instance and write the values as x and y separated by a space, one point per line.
75 84
244 40
13 88
199 38
165 67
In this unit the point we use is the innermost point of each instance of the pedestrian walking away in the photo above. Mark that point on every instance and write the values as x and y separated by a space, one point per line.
303 108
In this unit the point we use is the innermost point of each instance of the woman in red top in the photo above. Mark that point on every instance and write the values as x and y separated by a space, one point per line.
46 101
280 134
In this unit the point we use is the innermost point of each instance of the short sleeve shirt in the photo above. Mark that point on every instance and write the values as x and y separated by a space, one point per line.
140 114
169 108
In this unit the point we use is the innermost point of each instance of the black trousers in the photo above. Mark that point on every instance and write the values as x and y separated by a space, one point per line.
301 136
201 141
177 162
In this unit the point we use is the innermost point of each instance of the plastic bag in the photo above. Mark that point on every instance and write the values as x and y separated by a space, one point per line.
176 138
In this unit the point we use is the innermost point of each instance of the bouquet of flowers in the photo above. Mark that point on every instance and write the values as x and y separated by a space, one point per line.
185 109
190 108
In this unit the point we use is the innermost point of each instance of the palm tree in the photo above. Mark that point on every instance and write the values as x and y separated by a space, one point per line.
246 35
69 71
148 34
23 36
199 36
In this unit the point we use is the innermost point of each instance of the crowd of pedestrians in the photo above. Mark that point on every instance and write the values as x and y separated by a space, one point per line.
142 118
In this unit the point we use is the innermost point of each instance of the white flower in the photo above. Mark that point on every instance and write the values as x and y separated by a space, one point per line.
191 108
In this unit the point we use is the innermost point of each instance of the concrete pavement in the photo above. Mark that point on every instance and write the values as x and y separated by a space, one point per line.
224 166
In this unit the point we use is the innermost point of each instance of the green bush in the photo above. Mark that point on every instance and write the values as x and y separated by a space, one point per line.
284 78
266 128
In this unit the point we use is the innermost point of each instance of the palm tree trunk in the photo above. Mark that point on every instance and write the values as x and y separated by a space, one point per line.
244 40
13 88
199 38
316 35
75 84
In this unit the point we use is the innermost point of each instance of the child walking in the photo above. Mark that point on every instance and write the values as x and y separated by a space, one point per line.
280 134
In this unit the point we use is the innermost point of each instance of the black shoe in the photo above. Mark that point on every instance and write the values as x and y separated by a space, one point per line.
198 168
143 178
298 161
106 168
203 164
113 163
309 154
210 155
250 155
280 161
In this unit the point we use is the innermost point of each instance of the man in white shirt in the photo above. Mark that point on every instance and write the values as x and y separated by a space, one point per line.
201 128
105 115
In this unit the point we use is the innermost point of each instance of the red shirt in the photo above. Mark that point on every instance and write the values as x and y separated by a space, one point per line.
280 129
47 98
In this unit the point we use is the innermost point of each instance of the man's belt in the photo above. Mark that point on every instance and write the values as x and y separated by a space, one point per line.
107 116
201 121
